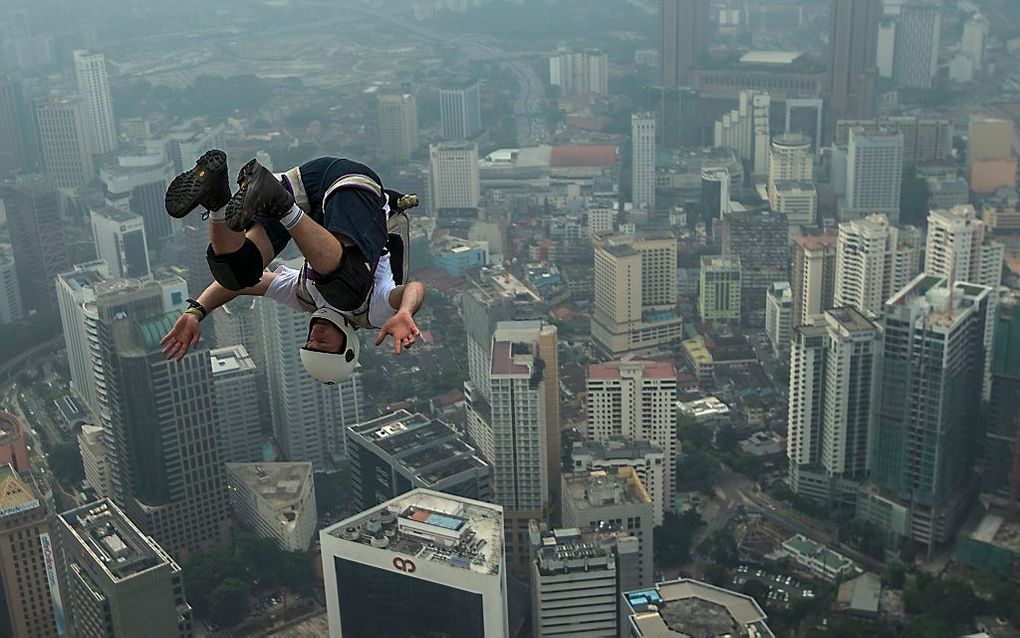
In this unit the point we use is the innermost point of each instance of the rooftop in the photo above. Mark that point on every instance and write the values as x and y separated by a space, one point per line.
850 319
617 447
929 298
770 57
600 488
718 262
694 609
570 549
279 484
112 539
16 495
428 449
622 369
816 242
453 531
230 359
10 427
583 155
118 215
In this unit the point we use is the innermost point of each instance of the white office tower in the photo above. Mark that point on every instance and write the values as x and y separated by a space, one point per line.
580 72
10 295
648 460
137 182
510 428
94 89
874 174
872 264
960 248
791 185
885 55
75 290
975 40
834 375
454 186
779 316
422 564
309 418
577 577
642 136
805 116
746 130
916 57
94 458
636 399
238 422
460 111
63 141
119 237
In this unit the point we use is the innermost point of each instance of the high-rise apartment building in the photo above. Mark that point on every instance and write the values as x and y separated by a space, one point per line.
580 72
460 111
872 264
34 589
397 115
238 422
454 185
37 239
399 452
922 448
960 248
791 186
94 89
637 400
874 174
138 182
642 137
612 501
393 570
715 197
834 376
577 577
916 53
63 141
309 418
11 308
779 317
635 293
159 416
511 423
120 581
75 290
746 130
683 38
647 459
719 289
813 279
119 237
853 44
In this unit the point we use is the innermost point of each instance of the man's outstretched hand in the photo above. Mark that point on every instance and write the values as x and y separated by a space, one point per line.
402 328
182 337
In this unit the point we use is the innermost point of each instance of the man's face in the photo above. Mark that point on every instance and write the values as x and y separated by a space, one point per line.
325 337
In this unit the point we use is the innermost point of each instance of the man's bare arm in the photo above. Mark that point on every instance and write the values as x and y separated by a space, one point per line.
407 300
216 295
408 297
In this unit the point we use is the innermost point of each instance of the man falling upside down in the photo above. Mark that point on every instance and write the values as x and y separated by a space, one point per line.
337 212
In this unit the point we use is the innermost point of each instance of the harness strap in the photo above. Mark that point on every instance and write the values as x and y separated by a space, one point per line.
298 188
353 180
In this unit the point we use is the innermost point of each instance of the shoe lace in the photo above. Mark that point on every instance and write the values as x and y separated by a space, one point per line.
205 214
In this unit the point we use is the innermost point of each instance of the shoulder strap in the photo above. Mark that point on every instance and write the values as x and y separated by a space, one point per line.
298 186
354 180
303 296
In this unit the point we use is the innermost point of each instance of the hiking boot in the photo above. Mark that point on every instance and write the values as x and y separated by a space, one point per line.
204 185
259 193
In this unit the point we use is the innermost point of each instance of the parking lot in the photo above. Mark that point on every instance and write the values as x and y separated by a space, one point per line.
784 589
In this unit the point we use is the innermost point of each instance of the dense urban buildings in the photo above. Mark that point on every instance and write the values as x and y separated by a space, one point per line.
872 264
760 241
11 308
37 239
395 568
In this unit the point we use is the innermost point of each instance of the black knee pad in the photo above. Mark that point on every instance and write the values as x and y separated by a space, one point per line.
239 269
347 287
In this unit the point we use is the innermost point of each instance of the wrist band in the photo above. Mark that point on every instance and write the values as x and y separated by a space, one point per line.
195 312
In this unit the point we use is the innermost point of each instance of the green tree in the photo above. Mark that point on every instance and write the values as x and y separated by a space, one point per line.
926 626
716 575
757 590
296 573
914 198
672 539
228 604
895 575
204 571
724 548
66 464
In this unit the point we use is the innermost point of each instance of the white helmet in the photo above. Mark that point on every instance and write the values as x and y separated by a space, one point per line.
331 367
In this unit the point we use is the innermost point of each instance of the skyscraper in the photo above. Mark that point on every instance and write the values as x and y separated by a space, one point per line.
120 581
397 115
28 562
834 375
37 239
76 289
642 137
975 39
10 295
94 89
649 462
814 276
960 248
871 264
853 43
874 174
138 183
119 237
422 563
63 141
635 293
309 418
238 422
683 38
460 111
511 427
454 186
579 72
719 291
159 416
636 399
1001 444
806 116
95 459
13 149
760 240
677 116
791 178
778 317
747 130
922 449
916 57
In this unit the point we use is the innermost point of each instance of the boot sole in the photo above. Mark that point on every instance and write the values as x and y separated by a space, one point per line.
185 190
244 208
